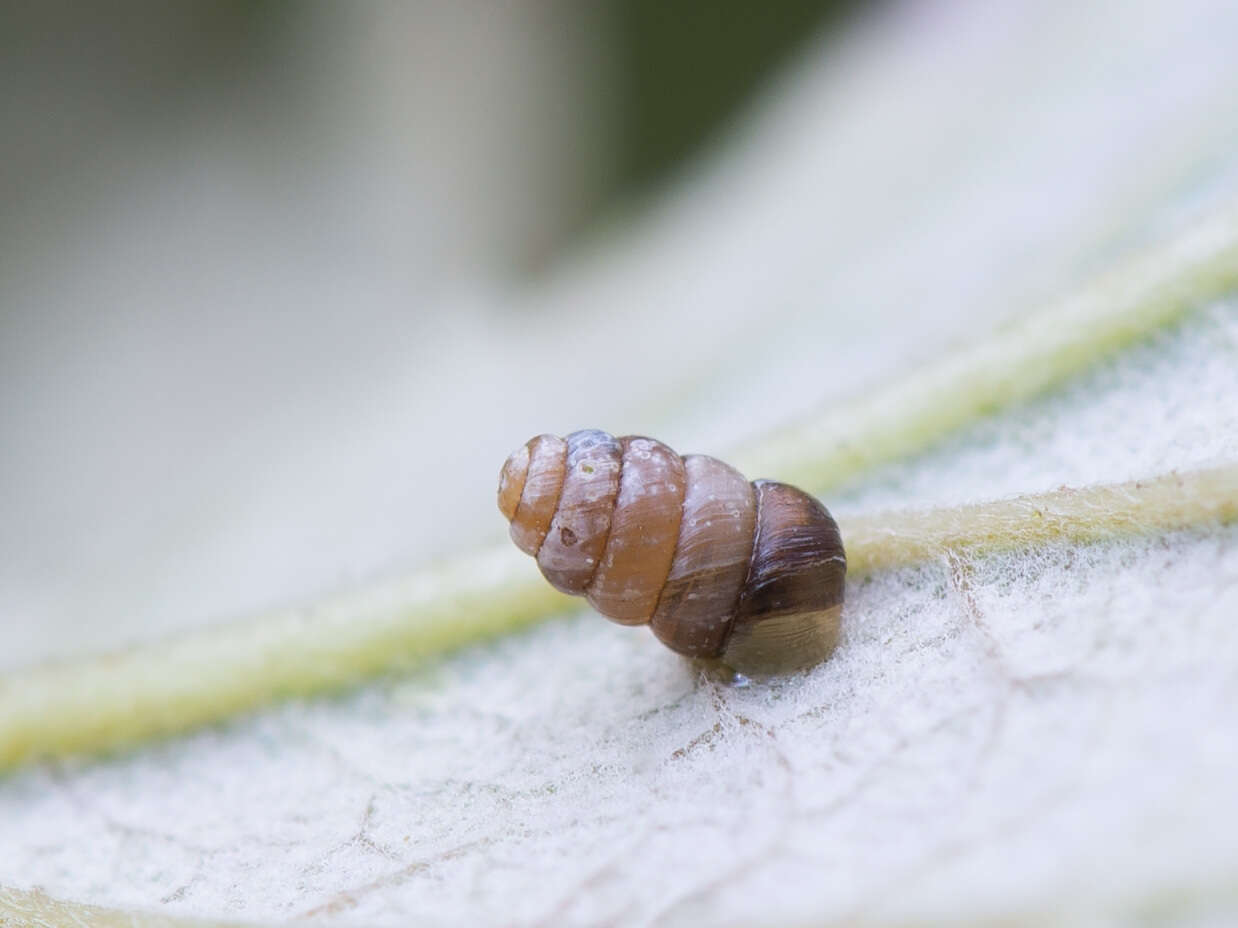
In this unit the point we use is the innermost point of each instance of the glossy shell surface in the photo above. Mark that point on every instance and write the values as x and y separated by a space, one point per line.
751 574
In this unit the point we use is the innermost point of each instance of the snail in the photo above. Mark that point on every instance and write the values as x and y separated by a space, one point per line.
746 574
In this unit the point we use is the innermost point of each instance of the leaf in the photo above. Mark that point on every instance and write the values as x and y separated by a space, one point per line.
1037 733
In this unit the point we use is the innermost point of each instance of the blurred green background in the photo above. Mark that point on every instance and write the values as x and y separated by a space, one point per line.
655 83
684 68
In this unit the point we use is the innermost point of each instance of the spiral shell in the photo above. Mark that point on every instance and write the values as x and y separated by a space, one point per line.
750 574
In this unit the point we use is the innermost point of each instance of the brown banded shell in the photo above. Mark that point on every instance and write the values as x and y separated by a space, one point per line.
750 574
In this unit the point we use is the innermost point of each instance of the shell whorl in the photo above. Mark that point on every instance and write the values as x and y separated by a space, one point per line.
749 573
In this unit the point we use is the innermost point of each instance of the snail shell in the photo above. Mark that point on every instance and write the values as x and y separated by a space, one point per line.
719 568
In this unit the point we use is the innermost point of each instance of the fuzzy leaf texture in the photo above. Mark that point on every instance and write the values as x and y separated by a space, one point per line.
1036 730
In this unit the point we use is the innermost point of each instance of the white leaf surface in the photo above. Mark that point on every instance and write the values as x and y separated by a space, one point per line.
1040 735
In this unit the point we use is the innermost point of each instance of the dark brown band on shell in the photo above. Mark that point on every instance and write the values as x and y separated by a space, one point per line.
577 538
789 610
